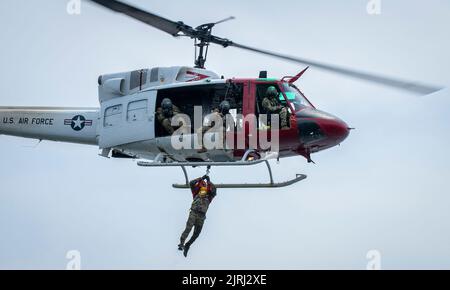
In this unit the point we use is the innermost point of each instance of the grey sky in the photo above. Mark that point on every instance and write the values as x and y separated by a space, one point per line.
384 188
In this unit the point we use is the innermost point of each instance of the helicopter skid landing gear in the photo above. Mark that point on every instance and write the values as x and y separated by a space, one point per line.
247 160
271 184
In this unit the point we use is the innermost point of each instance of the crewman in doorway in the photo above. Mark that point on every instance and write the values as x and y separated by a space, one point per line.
218 114
164 115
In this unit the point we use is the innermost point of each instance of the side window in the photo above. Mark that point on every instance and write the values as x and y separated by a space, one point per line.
113 116
137 111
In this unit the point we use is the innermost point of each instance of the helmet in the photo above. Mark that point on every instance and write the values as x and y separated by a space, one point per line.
271 92
167 107
224 107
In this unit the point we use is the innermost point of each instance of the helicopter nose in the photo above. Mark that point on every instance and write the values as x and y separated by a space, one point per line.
319 129
335 130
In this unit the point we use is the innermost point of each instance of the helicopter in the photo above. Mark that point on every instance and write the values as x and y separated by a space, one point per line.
126 124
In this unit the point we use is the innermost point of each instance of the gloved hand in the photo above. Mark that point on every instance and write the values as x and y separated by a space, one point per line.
205 177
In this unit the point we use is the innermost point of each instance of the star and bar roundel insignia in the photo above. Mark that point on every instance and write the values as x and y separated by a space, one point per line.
78 122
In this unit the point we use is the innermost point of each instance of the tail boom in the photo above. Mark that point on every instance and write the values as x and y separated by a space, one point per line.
73 125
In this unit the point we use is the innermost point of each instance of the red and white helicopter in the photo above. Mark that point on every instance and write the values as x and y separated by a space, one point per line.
125 125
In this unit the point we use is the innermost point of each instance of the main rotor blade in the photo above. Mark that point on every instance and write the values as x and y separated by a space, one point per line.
225 20
413 87
174 28
161 23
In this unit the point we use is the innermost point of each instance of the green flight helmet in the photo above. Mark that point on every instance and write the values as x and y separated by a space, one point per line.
225 107
167 107
272 92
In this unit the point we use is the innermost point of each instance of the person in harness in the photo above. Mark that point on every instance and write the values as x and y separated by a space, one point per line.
203 192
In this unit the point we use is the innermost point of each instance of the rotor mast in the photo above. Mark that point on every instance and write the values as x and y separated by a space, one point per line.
202 43
203 37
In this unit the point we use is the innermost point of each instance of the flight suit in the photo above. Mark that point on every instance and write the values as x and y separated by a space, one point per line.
201 131
166 122
271 106
198 211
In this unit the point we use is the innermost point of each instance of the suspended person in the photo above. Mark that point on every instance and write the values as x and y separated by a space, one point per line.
203 192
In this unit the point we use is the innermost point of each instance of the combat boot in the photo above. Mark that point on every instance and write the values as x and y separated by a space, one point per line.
186 250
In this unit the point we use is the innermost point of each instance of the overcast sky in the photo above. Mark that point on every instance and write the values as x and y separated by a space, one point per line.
385 188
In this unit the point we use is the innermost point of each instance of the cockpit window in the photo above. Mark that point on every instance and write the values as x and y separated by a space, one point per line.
295 97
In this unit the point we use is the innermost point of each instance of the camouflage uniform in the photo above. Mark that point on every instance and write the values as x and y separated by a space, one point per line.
166 122
201 131
271 106
198 211
196 220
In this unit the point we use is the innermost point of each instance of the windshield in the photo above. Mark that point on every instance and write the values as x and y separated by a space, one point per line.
295 97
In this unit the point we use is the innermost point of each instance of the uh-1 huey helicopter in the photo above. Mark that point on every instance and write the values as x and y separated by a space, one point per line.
125 125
